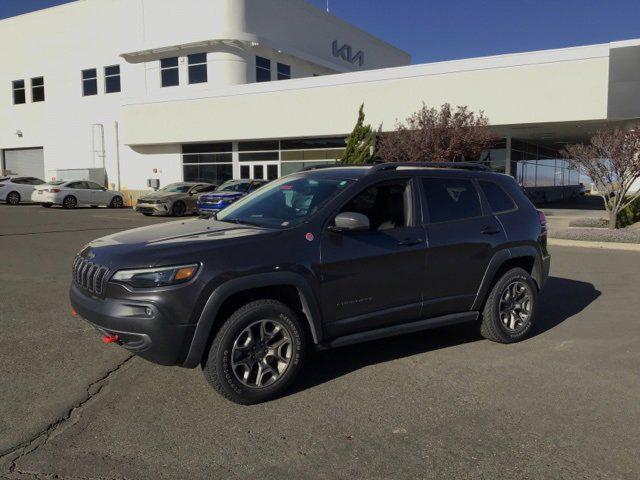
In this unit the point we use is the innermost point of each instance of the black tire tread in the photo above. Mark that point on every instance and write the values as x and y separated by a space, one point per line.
210 369
489 326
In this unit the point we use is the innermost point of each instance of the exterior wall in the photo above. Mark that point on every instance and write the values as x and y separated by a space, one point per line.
554 86
135 34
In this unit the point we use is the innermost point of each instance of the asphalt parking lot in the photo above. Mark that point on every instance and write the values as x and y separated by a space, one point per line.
439 404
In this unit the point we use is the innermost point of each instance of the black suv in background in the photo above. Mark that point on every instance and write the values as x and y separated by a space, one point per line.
323 258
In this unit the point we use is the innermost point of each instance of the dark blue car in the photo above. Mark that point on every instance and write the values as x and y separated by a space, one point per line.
226 194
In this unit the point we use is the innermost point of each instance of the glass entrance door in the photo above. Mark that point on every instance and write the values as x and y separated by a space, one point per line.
259 170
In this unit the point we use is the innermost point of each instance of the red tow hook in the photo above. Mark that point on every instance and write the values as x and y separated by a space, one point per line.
74 313
110 339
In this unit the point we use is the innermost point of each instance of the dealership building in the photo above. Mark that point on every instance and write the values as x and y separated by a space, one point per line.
141 90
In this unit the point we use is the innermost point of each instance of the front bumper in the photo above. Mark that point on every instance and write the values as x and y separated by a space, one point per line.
210 207
152 208
143 327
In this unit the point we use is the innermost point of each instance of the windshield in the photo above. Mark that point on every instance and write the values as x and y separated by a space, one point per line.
176 188
4 179
285 203
234 186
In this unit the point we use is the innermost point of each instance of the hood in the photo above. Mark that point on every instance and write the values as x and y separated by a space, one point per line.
168 243
163 195
222 195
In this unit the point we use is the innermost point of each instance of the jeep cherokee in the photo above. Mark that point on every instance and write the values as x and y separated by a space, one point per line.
323 258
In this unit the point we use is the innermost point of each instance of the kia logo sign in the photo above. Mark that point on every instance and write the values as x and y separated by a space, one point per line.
345 52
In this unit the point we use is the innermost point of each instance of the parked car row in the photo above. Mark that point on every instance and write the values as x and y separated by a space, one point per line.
178 199
68 194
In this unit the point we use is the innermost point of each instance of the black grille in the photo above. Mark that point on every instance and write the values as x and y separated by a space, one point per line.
89 276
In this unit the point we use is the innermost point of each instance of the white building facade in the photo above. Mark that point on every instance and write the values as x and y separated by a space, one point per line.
218 89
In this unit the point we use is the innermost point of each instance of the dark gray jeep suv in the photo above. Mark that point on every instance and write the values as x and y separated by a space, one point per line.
319 259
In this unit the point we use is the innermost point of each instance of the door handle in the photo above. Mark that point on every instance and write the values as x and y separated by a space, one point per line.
408 242
490 231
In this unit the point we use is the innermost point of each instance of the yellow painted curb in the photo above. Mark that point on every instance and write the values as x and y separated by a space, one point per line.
560 242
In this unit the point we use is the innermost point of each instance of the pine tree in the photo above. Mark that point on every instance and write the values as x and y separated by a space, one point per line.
361 143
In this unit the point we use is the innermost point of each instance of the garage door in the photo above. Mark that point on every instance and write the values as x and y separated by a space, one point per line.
28 162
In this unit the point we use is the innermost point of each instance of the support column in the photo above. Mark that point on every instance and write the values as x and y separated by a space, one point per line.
507 167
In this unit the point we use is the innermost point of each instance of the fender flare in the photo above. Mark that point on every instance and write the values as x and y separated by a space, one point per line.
498 259
208 317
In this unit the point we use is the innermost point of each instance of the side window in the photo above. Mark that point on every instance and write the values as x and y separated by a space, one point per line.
75 185
19 181
450 199
498 199
37 181
387 205
93 186
203 188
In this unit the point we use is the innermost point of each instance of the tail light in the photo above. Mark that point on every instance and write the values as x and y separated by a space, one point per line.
543 218
53 190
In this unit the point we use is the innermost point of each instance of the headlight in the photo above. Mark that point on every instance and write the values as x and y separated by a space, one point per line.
156 277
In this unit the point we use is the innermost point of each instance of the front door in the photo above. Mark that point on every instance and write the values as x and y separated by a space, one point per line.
259 170
462 240
372 279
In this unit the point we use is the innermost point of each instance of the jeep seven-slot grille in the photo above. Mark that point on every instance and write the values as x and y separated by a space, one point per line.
89 276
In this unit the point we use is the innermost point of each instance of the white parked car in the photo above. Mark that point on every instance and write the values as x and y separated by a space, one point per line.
15 190
75 193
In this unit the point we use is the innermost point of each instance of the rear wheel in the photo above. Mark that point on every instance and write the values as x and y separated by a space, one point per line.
509 312
70 202
117 202
257 353
179 209
13 198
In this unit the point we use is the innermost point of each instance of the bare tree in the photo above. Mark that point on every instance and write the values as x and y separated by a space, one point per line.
438 135
612 160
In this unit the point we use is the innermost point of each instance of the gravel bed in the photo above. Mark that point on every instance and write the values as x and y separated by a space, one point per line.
622 235
590 222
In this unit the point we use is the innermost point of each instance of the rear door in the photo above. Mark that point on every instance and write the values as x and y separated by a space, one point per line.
462 237
372 279
99 194
81 191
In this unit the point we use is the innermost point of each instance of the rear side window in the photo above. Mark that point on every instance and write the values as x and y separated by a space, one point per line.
498 199
450 199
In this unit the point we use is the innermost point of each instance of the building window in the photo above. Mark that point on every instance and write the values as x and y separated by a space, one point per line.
263 69
284 71
169 72
207 162
89 82
197 68
112 82
19 92
37 89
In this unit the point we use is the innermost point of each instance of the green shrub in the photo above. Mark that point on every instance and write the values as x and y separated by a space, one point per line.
629 215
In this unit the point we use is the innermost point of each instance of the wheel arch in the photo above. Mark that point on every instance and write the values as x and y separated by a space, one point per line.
526 257
288 287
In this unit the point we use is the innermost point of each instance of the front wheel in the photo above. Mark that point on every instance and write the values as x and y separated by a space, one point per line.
116 202
257 353
179 209
13 198
509 312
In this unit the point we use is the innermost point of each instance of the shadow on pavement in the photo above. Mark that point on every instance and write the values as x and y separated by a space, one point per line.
561 299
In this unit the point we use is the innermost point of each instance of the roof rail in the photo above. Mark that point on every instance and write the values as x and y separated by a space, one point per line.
455 165
337 165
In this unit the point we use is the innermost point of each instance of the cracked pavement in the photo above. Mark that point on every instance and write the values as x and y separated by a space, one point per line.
441 404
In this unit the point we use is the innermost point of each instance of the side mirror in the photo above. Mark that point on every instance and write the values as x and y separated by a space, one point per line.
351 222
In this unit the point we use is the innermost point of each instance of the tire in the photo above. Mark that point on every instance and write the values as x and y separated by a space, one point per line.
116 202
275 376
46 205
13 198
69 202
178 209
510 309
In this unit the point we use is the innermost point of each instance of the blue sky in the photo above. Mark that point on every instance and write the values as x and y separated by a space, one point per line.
434 30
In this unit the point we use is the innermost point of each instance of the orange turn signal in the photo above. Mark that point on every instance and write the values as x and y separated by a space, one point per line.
185 273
